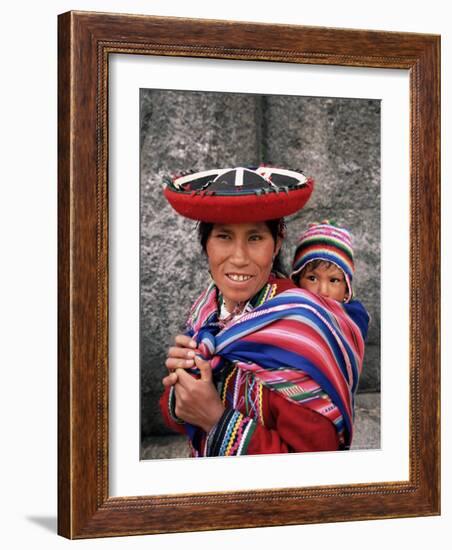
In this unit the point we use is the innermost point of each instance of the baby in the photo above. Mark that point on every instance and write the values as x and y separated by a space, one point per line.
323 262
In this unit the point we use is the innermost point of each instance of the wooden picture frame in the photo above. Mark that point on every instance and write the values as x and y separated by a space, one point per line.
86 40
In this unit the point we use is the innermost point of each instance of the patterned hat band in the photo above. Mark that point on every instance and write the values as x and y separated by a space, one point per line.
327 243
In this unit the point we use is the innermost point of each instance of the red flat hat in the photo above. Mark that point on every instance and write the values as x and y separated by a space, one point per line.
239 195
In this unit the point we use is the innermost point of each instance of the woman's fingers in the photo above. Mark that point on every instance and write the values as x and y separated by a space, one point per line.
182 340
184 378
182 358
170 380
179 363
204 368
183 353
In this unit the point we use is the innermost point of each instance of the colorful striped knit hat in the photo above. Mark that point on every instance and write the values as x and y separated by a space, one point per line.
324 241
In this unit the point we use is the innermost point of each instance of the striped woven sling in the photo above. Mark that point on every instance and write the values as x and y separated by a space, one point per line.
305 347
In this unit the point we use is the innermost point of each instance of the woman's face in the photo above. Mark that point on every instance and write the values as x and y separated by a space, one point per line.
240 259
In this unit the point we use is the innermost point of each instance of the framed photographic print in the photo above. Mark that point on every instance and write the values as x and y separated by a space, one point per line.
335 138
142 98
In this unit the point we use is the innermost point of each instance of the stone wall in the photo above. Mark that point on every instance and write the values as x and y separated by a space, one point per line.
336 141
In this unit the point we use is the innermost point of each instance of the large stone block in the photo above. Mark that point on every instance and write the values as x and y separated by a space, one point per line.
370 380
334 140
197 130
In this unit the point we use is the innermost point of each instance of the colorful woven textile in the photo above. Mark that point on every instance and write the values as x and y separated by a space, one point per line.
296 343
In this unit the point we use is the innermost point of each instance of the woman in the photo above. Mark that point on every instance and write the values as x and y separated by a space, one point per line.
261 368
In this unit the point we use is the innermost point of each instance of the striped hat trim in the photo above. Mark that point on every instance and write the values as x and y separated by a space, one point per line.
330 252
311 241
329 248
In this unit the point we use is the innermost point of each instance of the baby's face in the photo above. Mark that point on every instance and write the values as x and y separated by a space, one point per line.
328 281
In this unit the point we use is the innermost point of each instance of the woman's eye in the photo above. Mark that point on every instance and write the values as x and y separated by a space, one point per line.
255 238
222 236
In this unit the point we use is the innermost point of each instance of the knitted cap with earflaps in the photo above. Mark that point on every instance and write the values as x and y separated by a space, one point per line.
327 242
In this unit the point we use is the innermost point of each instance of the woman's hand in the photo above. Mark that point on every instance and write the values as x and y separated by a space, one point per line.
197 400
180 356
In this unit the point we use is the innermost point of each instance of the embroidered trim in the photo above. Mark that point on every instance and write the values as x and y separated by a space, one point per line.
261 411
224 393
231 435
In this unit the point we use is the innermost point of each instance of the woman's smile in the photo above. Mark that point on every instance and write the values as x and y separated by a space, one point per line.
238 277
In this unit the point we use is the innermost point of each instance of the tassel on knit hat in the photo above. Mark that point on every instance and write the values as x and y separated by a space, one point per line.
327 242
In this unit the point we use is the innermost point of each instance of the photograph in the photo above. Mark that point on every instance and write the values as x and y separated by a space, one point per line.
323 259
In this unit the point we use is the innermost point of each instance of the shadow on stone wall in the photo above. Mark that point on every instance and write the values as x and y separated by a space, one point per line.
336 141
